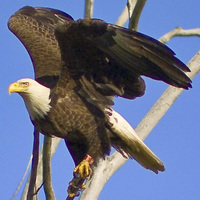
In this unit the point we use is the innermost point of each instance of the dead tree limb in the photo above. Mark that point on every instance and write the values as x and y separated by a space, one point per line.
179 31
49 193
133 23
122 19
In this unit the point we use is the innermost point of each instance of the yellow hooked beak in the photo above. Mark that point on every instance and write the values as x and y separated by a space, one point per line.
15 87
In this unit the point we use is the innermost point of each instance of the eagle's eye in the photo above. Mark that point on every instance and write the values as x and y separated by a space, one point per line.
25 84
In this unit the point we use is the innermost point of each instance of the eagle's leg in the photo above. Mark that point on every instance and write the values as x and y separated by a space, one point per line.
83 169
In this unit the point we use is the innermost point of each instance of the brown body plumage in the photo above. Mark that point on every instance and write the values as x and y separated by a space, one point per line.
86 63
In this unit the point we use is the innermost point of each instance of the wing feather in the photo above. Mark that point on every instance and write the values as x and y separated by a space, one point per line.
143 55
35 28
113 57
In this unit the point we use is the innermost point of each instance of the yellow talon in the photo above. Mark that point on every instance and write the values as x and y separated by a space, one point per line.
81 172
71 195
83 186
83 169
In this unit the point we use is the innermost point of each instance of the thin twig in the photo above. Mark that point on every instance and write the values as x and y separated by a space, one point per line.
178 31
48 188
22 180
35 153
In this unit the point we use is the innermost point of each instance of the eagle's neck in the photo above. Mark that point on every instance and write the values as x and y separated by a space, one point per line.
37 102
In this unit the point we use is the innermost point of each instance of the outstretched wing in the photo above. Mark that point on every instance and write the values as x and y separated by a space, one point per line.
35 28
103 59
111 59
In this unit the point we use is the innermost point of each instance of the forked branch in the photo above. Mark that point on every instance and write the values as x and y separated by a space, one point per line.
122 19
179 31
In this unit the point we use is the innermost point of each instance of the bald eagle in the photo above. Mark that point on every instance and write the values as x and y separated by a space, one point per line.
80 66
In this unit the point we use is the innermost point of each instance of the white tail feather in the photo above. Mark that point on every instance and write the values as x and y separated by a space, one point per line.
131 144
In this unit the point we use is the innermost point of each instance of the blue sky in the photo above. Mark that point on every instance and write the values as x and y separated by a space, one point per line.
176 138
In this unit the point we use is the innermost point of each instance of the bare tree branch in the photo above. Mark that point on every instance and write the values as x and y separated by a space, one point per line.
133 24
39 180
128 5
122 19
49 193
88 9
178 31
106 168
34 165
135 7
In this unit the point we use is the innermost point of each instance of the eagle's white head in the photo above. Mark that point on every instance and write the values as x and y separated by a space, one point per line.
35 95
